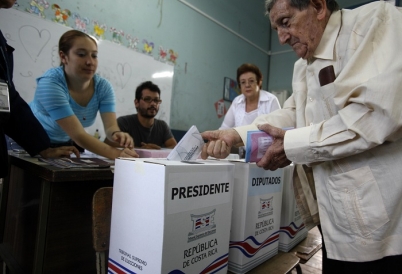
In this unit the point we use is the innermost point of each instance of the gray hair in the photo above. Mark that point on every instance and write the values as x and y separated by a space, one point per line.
332 5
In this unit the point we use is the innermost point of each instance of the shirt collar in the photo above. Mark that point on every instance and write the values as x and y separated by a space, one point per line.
262 97
325 49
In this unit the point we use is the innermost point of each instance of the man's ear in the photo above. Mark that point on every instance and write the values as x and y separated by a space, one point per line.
136 103
321 8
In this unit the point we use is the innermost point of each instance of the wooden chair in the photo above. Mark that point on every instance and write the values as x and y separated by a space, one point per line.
101 220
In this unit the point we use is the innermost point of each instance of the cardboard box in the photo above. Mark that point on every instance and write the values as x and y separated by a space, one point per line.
292 229
153 153
170 216
257 201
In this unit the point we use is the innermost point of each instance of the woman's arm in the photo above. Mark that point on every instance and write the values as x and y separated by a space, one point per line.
113 132
75 130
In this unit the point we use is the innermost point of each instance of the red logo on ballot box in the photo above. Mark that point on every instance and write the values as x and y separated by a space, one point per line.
203 225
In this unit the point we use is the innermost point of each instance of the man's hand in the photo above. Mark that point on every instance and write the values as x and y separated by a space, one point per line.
275 156
127 152
219 143
123 139
149 146
60 152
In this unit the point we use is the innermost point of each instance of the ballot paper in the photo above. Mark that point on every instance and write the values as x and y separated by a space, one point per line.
189 147
257 144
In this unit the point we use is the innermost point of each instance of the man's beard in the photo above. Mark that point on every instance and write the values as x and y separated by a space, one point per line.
144 113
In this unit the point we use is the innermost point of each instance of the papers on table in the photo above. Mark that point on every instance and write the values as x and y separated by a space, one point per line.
76 162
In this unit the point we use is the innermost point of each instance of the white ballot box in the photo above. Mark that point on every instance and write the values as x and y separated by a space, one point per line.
257 201
170 216
292 229
153 153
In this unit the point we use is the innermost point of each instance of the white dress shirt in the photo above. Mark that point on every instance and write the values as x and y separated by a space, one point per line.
237 115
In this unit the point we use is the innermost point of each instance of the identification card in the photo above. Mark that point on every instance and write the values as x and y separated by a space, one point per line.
4 97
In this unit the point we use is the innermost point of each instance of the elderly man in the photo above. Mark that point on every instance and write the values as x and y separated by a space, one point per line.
347 141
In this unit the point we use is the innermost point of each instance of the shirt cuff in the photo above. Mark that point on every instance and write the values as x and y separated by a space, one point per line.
243 131
297 146
61 112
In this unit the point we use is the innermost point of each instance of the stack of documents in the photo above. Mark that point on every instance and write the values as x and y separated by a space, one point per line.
77 162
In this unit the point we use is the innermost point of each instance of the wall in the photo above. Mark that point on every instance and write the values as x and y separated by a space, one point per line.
207 52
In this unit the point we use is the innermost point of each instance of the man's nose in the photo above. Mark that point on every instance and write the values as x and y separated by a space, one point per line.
283 36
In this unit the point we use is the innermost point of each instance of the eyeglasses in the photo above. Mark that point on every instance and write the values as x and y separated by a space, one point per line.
250 82
149 100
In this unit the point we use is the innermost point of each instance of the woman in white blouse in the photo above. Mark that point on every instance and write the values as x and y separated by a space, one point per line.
252 102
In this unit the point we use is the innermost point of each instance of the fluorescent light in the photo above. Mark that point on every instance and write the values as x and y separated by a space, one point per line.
163 74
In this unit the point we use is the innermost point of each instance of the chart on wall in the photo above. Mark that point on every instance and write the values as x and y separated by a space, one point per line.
35 41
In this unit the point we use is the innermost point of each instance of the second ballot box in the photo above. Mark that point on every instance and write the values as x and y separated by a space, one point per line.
170 216
292 229
257 201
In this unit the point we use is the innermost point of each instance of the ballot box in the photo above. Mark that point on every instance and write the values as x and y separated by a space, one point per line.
153 153
292 230
257 201
170 216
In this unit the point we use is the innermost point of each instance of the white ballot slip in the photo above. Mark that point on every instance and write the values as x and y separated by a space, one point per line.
189 147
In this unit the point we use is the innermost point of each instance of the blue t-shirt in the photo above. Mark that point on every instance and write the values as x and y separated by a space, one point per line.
52 101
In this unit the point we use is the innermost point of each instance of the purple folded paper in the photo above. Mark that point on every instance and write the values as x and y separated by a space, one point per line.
257 144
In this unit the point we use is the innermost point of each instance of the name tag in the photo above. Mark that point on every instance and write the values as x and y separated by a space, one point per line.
4 97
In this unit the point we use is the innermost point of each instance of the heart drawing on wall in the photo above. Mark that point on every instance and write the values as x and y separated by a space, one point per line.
124 72
33 40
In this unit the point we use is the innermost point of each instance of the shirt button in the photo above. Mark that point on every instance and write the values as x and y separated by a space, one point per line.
311 99
311 124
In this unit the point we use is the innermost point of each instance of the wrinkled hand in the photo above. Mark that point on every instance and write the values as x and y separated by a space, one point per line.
149 146
123 139
275 156
127 152
60 152
219 143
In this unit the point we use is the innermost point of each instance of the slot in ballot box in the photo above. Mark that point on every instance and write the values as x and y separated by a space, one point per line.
257 201
153 153
292 230
170 216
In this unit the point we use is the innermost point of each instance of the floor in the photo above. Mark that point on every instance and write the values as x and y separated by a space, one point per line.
314 265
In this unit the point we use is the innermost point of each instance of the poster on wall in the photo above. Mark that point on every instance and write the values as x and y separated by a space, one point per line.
230 89
220 108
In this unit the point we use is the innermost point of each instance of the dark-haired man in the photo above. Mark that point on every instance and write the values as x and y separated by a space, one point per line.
147 131
347 141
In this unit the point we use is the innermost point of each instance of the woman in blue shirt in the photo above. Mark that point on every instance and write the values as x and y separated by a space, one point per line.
68 97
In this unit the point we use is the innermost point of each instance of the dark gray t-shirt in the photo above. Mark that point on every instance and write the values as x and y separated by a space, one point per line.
158 134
